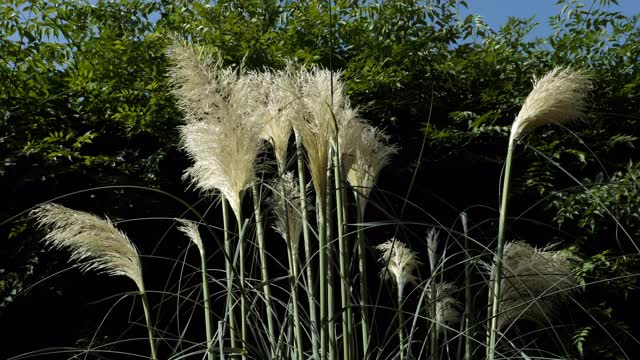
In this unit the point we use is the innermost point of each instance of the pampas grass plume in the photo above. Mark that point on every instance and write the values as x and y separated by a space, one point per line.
91 239
200 81
447 307
371 153
400 263
557 97
190 229
287 207
224 146
534 283
281 107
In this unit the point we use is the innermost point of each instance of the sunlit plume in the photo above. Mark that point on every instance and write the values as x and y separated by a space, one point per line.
92 241
557 97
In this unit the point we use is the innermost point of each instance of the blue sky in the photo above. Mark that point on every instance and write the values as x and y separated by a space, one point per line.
496 12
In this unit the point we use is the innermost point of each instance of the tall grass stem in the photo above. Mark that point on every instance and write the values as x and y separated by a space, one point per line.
400 324
347 331
243 290
322 234
147 316
362 269
467 289
307 247
207 308
494 293
228 269
263 266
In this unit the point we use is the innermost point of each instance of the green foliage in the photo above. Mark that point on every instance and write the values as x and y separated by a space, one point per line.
602 208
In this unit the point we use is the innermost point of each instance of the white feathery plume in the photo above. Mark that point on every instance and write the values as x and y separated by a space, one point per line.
190 229
372 153
432 247
200 82
225 146
349 136
559 96
447 307
91 239
534 283
400 263
317 126
282 105
287 207
224 156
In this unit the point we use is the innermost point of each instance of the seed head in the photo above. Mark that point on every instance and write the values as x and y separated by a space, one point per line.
399 261
559 96
287 208
201 83
224 142
534 283
372 153
317 126
190 229
282 105
91 239
447 307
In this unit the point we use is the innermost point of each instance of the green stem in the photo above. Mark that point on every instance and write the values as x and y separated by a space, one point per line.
362 268
347 331
400 324
307 248
467 290
243 290
322 234
263 266
228 269
207 315
293 271
331 306
495 293
147 316
434 322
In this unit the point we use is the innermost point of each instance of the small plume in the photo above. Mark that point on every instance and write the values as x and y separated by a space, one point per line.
447 307
400 262
372 153
432 247
559 96
190 229
287 207
91 239
534 283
